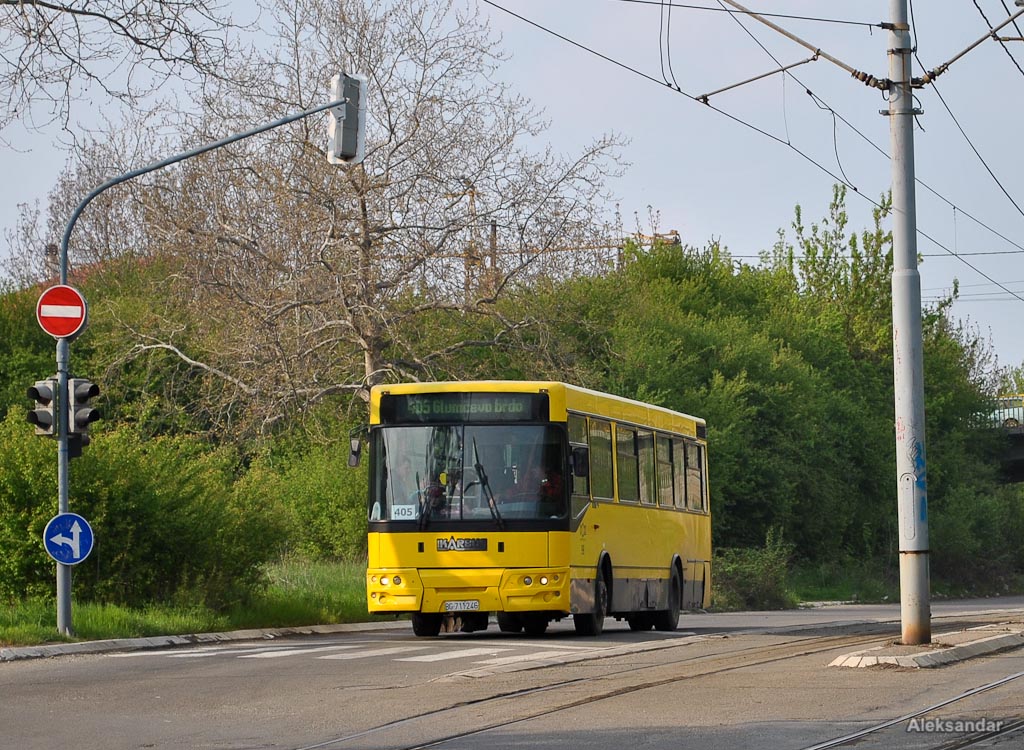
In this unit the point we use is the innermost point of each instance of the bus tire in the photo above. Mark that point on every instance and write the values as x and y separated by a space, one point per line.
426 625
640 621
509 622
535 624
668 619
592 623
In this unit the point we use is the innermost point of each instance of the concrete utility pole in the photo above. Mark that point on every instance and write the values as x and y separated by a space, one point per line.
908 352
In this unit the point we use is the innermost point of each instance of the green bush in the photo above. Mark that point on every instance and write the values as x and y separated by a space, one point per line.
168 526
752 578
324 499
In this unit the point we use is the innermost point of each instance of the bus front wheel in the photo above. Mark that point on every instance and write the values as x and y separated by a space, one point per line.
509 622
426 624
592 623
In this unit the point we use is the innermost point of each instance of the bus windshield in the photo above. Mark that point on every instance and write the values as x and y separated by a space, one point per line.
468 472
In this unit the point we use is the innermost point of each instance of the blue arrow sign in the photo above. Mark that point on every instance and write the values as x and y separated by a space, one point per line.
68 538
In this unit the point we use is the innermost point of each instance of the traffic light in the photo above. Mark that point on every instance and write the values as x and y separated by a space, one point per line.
44 415
346 130
80 413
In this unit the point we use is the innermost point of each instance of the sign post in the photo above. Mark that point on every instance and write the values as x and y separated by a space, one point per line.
62 312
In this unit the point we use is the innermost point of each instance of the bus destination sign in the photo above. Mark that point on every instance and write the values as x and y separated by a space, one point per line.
463 407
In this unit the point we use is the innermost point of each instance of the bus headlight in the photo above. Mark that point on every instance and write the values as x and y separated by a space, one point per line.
397 580
543 580
528 581
383 580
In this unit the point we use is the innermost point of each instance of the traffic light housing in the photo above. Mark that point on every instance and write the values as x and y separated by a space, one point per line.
80 412
44 415
346 130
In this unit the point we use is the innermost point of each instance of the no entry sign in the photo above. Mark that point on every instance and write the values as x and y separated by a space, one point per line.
62 311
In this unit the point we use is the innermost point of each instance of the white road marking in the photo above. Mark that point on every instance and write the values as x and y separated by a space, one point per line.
535 656
296 652
461 654
374 652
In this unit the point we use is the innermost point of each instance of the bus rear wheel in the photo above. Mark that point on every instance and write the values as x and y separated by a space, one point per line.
668 619
426 624
592 623
641 621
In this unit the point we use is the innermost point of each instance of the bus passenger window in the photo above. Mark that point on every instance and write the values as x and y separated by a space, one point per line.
601 459
663 453
648 484
626 464
679 471
694 477
578 439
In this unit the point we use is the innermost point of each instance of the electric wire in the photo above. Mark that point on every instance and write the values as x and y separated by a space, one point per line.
1010 13
667 54
817 19
746 124
998 39
822 104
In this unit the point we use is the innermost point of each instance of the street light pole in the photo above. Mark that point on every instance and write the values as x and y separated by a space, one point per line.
908 349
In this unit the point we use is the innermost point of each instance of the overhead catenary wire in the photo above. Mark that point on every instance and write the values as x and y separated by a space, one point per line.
790 16
1001 41
740 121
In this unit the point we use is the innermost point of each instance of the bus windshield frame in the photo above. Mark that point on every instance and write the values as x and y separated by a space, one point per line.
469 475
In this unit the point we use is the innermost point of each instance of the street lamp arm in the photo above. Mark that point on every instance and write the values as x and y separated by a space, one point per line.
174 160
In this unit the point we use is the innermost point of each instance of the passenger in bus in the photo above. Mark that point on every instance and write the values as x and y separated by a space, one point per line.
406 487
545 487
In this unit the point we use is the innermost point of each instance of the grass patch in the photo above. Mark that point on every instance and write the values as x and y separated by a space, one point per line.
301 592
298 592
849 581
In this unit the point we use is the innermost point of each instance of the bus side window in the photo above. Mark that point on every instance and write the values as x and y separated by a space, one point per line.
578 439
626 464
694 477
663 454
648 483
601 482
679 471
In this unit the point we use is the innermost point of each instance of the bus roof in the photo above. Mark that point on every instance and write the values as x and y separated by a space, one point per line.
564 398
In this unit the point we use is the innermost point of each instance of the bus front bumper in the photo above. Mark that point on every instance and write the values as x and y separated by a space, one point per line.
399 590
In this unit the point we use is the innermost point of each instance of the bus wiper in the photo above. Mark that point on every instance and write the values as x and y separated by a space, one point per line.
485 487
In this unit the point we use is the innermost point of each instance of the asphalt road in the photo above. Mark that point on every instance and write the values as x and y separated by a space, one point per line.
721 681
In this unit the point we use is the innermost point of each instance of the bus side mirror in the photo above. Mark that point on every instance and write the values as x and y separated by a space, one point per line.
581 462
355 451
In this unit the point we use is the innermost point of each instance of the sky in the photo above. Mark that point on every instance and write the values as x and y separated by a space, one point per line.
711 177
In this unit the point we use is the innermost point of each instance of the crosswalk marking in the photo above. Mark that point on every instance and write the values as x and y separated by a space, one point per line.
197 653
535 656
375 652
461 654
296 652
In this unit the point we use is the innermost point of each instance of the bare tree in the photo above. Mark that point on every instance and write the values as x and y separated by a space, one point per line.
52 51
296 280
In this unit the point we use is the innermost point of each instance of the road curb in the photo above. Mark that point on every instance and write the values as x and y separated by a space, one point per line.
930 657
17 653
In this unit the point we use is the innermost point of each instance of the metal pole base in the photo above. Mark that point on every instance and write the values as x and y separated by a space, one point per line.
915 609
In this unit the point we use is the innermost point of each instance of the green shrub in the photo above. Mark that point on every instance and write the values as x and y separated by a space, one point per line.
752 578
324 499
168 526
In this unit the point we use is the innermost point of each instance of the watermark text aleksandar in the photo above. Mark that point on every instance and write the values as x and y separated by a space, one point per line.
954 726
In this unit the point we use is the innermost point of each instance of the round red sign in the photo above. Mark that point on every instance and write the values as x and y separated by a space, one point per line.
62 311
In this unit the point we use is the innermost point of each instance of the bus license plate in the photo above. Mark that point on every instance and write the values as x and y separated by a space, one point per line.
468 605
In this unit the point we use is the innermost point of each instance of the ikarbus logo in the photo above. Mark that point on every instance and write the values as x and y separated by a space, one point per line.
451 544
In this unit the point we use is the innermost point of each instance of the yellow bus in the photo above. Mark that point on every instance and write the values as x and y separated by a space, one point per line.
534 501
